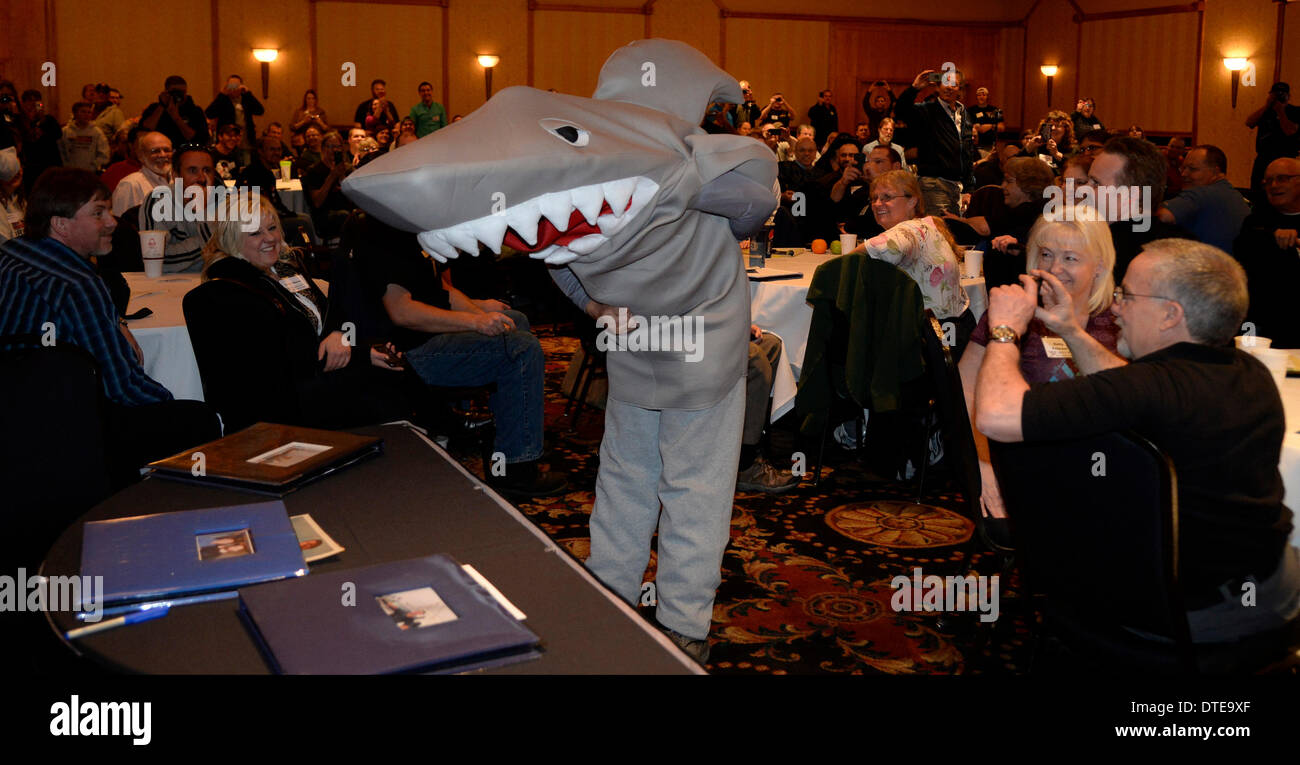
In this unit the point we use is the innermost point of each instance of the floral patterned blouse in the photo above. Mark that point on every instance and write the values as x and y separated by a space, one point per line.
917 247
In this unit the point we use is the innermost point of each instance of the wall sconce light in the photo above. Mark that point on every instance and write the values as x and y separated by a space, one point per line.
266 56
487 61
1235 65
1049 70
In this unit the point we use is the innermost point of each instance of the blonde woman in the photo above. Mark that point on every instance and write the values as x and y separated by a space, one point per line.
282 321
1075 260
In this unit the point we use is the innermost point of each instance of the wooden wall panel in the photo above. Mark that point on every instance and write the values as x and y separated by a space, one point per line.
896 53
280 24
486 26
134 62
694 22
763 51
1140 70
1051 38
400 44
572 47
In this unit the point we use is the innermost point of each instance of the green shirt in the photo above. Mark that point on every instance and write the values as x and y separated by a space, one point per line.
428 118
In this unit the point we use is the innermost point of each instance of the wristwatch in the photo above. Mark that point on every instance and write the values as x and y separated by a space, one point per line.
1004 334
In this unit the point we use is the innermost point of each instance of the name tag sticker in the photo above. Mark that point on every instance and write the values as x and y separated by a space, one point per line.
1056 348
294 283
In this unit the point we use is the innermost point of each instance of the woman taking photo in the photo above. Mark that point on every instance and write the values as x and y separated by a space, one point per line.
1075 260
309 113
281 330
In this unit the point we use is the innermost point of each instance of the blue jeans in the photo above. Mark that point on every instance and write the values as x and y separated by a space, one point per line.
513 361
941 195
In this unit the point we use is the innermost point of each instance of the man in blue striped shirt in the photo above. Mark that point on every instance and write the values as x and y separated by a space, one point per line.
49 288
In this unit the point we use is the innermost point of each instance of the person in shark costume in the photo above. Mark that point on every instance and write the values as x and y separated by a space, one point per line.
642 209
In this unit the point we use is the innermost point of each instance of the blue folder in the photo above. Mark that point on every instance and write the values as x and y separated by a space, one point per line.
332 623
150 556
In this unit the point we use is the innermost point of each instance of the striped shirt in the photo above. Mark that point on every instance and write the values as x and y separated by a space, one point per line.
47 289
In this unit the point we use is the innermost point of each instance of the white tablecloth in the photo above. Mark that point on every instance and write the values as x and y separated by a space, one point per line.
1289 464
781 307
168 355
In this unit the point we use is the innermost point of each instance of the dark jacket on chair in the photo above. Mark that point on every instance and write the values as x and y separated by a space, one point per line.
878 309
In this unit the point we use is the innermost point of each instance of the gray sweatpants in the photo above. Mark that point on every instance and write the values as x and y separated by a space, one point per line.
675 470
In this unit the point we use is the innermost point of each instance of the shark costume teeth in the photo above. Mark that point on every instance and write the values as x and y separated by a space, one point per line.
625 198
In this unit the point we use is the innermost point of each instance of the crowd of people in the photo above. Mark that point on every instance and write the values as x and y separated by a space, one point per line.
1127 310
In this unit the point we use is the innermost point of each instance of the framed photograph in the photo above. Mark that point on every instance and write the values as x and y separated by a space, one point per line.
290 454
416 609
315 543
224 544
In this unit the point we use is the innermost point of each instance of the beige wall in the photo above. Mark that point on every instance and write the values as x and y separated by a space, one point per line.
281 24
1244 28
1051 37
576 45
754 53
400 44
1139 69
87 50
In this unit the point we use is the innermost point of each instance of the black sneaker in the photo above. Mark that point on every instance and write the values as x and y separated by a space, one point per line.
761 476
523 480
696 649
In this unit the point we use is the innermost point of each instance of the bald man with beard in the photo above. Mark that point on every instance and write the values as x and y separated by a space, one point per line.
1268 249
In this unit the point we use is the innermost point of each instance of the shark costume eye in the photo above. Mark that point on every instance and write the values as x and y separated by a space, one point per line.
566 131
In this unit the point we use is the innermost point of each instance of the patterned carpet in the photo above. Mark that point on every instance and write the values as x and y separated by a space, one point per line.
806 585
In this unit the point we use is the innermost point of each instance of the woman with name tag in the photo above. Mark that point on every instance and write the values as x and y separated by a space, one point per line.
335 378
1074 259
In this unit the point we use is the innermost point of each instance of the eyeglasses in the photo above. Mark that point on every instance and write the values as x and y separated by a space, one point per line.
1121 296
887 198
159 150
1091 149
1280 178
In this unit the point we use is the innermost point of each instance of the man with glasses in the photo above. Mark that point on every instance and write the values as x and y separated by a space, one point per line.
155 154
1212 408
1277 126
1269 250
1208 207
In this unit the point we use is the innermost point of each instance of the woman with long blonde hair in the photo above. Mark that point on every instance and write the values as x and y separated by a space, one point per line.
332 376
1074 257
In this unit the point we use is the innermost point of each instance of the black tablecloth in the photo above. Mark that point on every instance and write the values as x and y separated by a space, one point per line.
409 502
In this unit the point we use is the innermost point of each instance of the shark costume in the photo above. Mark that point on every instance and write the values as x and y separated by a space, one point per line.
644 208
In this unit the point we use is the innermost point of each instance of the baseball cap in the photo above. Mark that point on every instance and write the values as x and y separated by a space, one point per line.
1280 87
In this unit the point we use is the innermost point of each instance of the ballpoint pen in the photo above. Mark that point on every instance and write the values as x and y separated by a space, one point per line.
131 618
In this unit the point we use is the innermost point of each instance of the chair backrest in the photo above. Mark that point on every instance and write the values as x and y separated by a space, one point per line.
246 355
1096 522
53 463
959 439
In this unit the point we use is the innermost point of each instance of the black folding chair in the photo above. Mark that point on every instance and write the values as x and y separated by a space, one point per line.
1096 528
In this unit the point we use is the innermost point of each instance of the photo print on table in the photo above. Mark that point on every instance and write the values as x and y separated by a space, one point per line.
416 609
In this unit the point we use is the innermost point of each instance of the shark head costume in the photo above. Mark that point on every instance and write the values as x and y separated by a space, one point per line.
624 188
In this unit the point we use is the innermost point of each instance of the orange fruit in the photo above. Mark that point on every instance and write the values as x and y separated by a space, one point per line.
819 246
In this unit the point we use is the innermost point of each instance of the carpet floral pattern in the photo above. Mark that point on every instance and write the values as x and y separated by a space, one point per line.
806 585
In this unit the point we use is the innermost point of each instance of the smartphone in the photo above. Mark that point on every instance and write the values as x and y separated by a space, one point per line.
394 359
338 157
934 78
